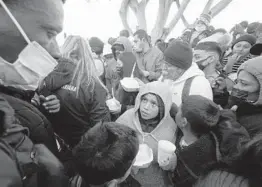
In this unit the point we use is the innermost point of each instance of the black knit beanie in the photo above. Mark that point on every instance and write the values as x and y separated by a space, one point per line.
179 54
96 44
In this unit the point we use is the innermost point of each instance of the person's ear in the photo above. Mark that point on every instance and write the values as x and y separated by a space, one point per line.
143 40
210 59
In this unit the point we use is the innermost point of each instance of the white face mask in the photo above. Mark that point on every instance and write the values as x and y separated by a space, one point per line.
34 63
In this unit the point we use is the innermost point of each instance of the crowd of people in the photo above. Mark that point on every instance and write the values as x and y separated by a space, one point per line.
95 114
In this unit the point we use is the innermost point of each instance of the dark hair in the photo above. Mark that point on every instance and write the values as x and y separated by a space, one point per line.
244 24
114 47
209 46
142 34
111 40
124 33
159 40
106 152
201 113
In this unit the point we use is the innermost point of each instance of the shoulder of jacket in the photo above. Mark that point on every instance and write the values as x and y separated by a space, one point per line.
200 79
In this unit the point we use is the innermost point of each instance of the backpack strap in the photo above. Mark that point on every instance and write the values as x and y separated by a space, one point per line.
186 89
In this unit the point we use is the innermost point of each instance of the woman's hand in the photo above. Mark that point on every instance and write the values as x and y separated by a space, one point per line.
145 73
169 164
231 61
50 103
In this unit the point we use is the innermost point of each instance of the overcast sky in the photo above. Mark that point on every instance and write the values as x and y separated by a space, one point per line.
100 17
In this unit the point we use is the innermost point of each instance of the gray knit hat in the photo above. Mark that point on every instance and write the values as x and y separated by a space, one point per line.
254 67
179 54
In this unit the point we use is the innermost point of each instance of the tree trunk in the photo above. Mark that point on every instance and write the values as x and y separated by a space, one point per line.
175 20
208 7
139 10
182 16
219 7
141 18
163 11
123 15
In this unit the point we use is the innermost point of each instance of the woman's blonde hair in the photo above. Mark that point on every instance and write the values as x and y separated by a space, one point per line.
78 49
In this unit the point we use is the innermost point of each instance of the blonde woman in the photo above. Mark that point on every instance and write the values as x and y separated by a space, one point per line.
81 93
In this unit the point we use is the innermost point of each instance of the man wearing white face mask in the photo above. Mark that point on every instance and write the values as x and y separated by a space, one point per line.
207 55
28 47
21 23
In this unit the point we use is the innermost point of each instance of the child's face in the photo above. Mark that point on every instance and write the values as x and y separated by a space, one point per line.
149 107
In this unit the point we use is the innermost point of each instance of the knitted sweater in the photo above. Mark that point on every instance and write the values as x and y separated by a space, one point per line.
238 63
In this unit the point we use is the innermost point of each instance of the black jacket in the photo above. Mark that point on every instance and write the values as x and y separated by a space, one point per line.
248 115
78 113
215 150
40 128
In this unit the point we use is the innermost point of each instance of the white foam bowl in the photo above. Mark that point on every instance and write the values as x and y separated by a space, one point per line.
144 156
113 104
130 84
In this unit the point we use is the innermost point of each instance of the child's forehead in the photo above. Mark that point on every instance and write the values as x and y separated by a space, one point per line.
149 96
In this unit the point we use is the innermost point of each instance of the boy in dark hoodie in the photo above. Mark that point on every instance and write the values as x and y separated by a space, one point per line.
212 135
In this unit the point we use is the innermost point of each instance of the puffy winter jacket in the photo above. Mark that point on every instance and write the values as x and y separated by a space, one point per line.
41 131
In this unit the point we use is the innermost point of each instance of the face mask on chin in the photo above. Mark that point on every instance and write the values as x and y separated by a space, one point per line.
34 63
239 97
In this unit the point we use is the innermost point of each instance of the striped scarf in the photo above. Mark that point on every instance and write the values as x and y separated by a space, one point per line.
237 64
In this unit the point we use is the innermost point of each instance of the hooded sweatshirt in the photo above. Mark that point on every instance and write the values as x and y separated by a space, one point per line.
128 59
250 115
199 86
152 176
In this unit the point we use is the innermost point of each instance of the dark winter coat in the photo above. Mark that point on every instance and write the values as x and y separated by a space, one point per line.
215 150
248 115
40 129
77 113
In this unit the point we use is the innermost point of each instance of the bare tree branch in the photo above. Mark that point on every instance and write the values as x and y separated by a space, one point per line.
133 4
123 15
219 7
175 20
144 2
163 11
140 12
182 16
208 7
